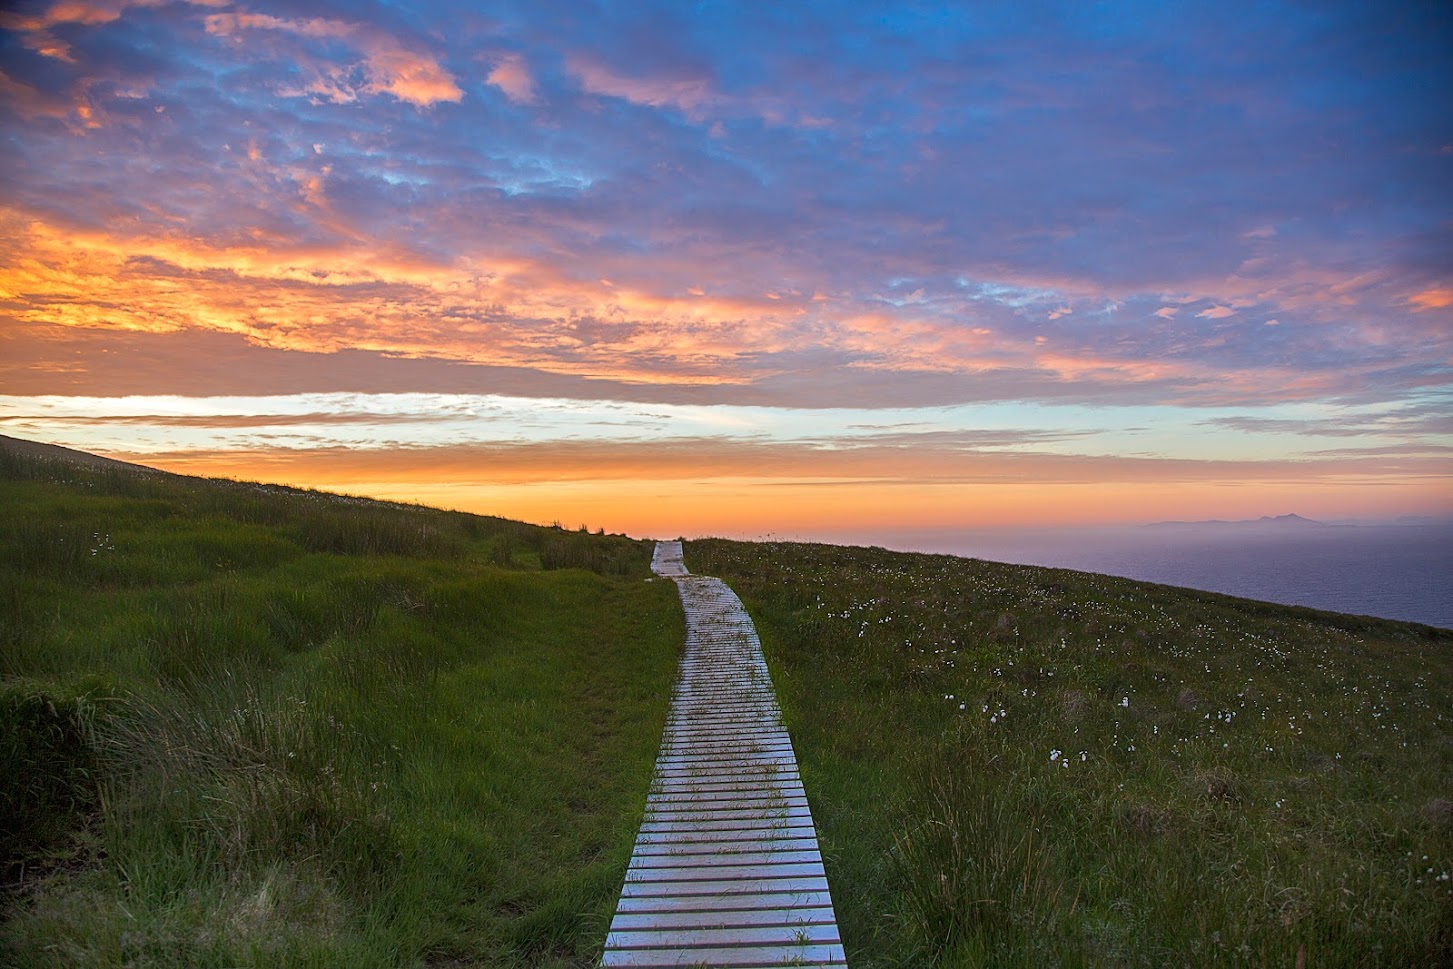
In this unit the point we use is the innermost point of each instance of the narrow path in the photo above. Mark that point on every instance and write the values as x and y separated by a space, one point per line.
726 871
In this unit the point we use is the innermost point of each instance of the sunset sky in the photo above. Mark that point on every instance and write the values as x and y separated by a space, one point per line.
739 268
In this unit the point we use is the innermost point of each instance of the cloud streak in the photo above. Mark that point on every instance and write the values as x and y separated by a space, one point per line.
385 66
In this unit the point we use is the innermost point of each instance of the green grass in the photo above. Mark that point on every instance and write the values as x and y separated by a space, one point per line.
252 726
1022 766
243 725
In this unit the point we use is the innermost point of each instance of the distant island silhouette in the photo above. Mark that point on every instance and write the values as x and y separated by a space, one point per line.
1277 520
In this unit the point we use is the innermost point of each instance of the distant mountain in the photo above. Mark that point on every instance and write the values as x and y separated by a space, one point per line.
1278 521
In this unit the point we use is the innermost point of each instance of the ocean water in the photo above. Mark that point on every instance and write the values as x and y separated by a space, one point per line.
1392 571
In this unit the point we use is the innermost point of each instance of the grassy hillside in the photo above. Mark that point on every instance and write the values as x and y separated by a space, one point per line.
252 726
1024 766
243 725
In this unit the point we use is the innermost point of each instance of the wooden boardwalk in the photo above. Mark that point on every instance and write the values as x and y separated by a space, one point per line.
726 871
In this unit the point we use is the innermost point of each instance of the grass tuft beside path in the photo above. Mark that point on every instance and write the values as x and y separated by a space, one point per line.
252 726
1016 766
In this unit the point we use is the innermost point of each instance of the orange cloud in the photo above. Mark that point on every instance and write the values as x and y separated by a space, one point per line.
1107 369
410 77
521 312
35 28
66 12
1437 298
377 296
387 66
280 293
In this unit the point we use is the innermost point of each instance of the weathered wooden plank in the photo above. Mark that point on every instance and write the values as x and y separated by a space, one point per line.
767 814
761 772
747 729
708 707
730 957
646 849
733 777
743 886
721 739
730 830
765 807
677 750
734 674
774 808
736 778
740 731
669 937
717 792
706 788
764 717
670 747
766 821
726 784
765 766
694 834
686 849
690 797
725 872
760 902
704 704
728 919
700 759
698 858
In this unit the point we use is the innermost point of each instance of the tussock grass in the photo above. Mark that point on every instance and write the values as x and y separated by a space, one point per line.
246 725
1023 766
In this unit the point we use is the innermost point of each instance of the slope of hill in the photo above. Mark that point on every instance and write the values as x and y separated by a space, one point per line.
251 725
16 447
1013 765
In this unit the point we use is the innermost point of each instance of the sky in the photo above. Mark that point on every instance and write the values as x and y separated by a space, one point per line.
741 269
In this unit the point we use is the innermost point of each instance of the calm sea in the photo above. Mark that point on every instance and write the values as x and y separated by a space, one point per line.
1392 571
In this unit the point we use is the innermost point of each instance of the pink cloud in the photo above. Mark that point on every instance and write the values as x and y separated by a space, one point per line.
693 96
29 102
1167 312
688 95
415 78
88 14
512 76
388 67
1216 313
35 28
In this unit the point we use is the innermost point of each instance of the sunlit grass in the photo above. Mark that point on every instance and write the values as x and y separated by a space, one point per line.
1021 766
245 725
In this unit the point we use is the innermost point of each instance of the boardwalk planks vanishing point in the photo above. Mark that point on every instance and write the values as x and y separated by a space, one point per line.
726 871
